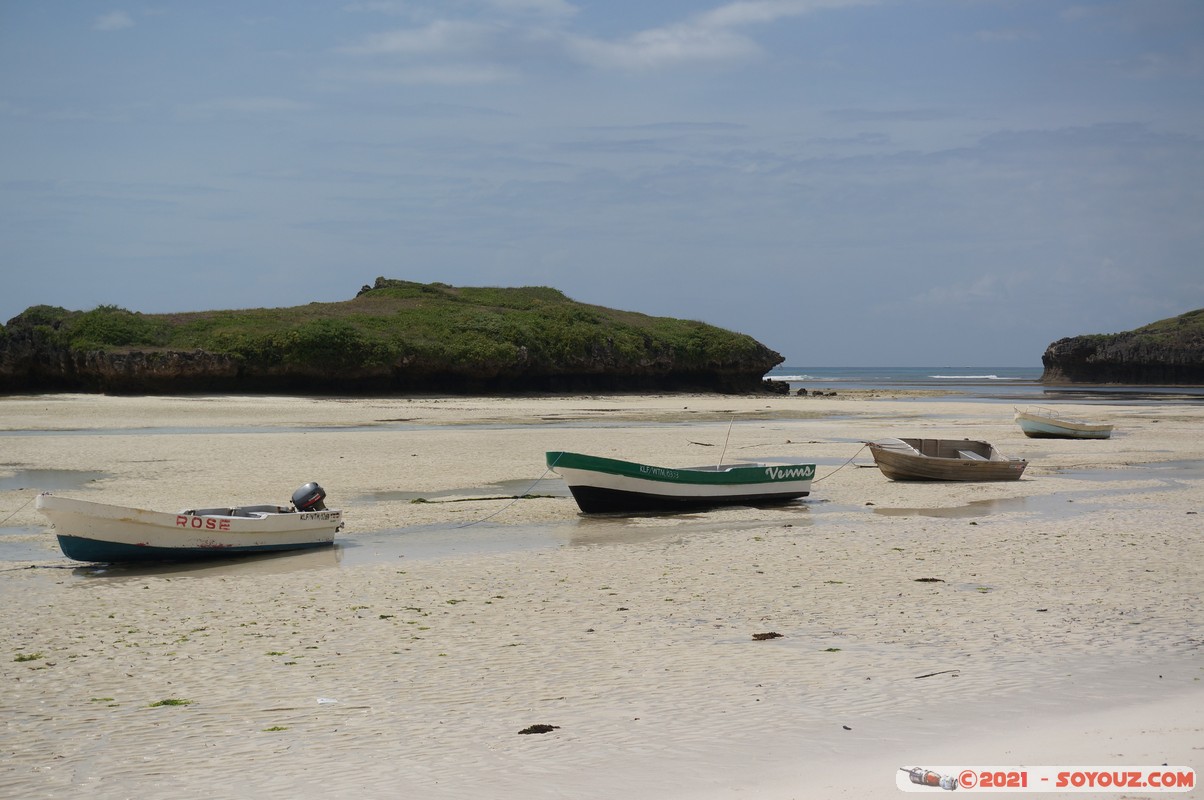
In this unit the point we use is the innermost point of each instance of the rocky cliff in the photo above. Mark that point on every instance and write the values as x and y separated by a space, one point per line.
1169 352
394 338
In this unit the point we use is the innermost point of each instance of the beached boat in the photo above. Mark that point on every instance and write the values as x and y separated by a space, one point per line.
610 485
944 460
1044 423
90 531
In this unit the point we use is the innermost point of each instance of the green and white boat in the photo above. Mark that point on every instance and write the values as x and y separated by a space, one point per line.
602 485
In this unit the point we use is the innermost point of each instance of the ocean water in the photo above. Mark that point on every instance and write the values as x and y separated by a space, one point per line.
1018 384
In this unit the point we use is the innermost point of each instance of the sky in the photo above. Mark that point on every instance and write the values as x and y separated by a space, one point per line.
850 182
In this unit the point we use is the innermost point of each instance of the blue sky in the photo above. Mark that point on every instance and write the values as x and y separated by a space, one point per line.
853 183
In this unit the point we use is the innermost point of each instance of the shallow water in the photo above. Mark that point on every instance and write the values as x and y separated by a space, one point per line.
444 541
45 480
546 487
1061 504
1048 506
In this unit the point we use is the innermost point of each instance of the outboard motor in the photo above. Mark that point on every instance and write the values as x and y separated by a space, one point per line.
309 498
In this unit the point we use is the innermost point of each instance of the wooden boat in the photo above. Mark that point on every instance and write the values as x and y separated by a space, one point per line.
610 485
944 460
1044 423
89 531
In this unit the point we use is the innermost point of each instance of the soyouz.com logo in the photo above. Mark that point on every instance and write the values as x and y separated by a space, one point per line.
1046 779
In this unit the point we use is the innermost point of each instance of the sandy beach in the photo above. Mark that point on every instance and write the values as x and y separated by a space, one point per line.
1055 620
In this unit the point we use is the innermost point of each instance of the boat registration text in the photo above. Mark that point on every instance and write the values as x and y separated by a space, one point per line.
208 523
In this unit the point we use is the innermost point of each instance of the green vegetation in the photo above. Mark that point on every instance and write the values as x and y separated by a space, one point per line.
399 333
171 701
1173 332
1189 326
28 657
399 320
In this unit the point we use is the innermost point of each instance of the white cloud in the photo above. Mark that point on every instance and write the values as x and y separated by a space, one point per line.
707 37
438 38
661 47
759 12
713 36
113 21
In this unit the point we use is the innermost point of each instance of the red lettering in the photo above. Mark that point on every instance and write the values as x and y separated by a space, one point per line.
1172 780
181 521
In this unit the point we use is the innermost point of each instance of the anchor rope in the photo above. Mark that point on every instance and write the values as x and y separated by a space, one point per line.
18 510
842 466
513 501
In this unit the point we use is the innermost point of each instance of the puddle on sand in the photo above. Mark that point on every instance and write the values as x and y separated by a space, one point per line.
1159 470
1060 505
27 544
1056 506
45 480
399 546
550 487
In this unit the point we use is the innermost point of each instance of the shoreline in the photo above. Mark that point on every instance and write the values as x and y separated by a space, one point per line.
409 659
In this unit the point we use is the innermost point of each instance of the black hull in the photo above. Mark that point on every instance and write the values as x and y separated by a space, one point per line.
592 500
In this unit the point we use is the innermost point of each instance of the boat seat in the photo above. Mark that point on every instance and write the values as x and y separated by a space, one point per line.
241 511
250 511
971 455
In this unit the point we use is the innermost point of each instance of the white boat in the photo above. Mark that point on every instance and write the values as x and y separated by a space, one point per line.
90 531
610 485
1044 423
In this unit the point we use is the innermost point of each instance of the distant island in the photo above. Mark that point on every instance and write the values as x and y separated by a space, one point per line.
395 337
1168 353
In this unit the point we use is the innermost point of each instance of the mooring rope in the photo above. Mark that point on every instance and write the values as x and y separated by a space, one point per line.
18 511
516 498
842 466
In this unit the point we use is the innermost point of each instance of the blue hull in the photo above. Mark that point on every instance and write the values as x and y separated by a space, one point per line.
82 549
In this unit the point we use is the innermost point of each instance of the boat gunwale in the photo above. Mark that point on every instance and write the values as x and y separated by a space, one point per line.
739 474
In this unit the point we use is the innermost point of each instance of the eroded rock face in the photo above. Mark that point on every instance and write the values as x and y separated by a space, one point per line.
28 363
1168 353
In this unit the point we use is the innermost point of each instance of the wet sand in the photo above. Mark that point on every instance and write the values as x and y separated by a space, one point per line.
1053 620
